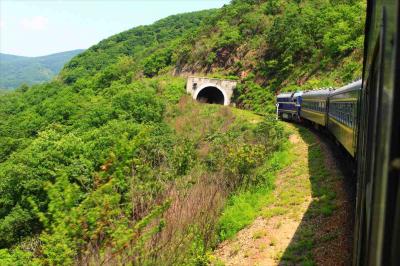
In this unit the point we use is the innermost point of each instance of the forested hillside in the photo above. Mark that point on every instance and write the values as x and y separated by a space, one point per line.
268 45
110 163
17 70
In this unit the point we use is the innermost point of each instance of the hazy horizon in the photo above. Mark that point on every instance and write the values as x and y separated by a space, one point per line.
44 54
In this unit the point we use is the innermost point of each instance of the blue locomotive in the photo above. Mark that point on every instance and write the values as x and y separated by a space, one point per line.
289 105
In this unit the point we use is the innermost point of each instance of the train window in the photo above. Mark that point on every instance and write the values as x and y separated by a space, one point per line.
316 106
343 112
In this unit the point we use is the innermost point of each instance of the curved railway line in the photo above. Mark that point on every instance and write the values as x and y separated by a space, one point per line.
364 118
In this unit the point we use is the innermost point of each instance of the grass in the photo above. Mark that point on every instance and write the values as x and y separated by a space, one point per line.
272 212
262 247
329 236
300 250
246 115
322 205
304 191
215 261
246 205
242 209
259 234
323 195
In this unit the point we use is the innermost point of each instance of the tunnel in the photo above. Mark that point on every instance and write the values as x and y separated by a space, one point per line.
211 95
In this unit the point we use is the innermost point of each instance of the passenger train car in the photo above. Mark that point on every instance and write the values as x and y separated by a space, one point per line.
315 105
364 117
377 232
342 115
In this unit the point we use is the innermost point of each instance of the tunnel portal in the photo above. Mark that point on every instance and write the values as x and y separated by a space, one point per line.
211 95
210 90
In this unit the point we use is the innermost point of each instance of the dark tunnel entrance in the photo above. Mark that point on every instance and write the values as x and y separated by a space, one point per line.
211 95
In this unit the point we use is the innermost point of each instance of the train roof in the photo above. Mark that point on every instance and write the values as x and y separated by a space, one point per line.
298 94
356 85
285 95
289 94
321 93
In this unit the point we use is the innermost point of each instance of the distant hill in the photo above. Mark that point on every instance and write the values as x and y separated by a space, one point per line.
16 70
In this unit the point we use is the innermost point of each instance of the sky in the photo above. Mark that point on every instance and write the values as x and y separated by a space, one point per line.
41 27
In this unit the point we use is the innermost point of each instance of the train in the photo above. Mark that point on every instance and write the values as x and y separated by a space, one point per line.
335 110
364 117
377 219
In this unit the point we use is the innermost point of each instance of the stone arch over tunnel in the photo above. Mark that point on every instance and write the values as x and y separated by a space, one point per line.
211 90
211 94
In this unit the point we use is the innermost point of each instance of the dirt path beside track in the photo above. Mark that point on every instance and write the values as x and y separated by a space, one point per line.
310 221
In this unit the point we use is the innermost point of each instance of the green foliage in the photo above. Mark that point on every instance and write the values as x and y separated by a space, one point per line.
229 36
252 96
173 90
157 61
317 36
278 45
245 206
16 257
140 106
149 47
272 7
90 167
96 166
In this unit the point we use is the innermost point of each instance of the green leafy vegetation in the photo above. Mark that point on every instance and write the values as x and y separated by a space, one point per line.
279 45
97 180
110 163
322 46
18 70
245 206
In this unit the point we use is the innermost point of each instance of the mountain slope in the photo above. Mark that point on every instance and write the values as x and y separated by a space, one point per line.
17 70
269 45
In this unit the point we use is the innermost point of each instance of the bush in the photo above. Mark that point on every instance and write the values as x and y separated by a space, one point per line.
141 106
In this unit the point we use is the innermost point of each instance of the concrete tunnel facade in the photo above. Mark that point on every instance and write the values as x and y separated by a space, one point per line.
211 90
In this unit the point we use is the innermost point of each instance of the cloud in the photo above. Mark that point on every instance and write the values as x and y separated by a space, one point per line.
34 23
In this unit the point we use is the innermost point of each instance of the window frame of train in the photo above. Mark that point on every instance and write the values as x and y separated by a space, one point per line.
377 236
343 112
315 105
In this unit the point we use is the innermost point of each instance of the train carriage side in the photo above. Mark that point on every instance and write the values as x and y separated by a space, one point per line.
314 106
377 237
342 115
